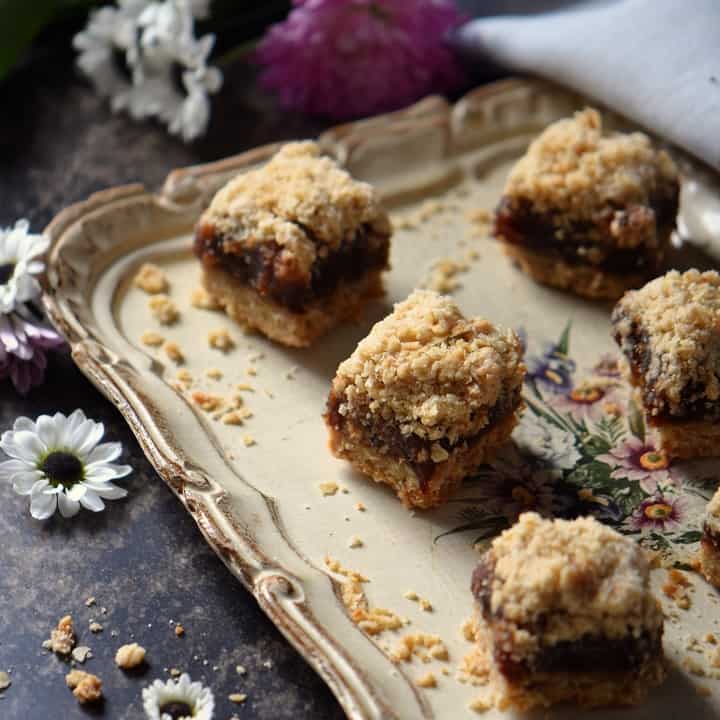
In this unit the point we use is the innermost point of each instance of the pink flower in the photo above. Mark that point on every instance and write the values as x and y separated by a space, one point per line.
589 400
658 513
642 461
24 340
346 58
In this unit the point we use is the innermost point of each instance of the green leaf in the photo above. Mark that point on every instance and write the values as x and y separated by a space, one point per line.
596 445
636 421
563 345
688 537
595 475
630 497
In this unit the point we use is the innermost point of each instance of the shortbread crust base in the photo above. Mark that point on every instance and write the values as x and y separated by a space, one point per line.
250 309
691 439
348 444
582 280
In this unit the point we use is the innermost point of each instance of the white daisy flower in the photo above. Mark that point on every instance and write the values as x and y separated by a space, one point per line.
548 442
58 462
144 56
19 264
173 700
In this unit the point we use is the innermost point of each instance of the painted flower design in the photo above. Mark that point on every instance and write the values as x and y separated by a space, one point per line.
589 400
552 370
146 59
24 342
346 58
20 264
641 460
179 698
659 512
607 366
60 463
548 443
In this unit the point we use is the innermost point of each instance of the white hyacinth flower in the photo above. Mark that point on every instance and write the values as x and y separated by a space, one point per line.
145 57
19 264
176 699
60 464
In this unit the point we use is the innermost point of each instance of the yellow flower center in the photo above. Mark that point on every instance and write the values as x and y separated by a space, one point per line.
654 460
658 511
587 395
523 496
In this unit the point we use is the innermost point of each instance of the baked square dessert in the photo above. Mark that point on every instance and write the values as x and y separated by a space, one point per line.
294 247
669 332
587 211
426 398
709 555
566 613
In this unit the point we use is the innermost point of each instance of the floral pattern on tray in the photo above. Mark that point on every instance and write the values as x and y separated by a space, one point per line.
582 448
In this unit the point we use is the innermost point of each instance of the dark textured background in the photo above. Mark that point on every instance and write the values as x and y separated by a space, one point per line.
143 558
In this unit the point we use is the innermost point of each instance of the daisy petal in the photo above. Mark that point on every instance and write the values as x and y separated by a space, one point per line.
42 506
68 507
105 453
12 467
87 436
103 473
47 431
23 482
92 501
108 491
76 492
29 445
24 423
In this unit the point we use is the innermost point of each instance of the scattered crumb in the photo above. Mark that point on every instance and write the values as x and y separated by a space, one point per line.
90 601
174 672
692 665
290 374
251 371
179 630
479 216
96 627
184 377
426 681
411 595
443 274
237 697
359 506
86 687
256 356
220 340
415 644
163 309
173 351
425 605
249 441
267 664
200 298
270 394
715 658
479 705
710 638
130 656
328 488
152 339
676 587
207 401
151 279
240 670
214 373
234 417
81 653
5 681
245 387
62 638
355 542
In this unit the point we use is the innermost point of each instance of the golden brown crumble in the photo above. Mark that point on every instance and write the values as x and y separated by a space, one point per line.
712 513
296 189
130 656
415 643
575 170
87 688
427 681
173 351
676 587
237 697
221 340
249 441
152 339
680 313
151 279
184 377
163 309
443 275
207 401
580 576
214 373
328 488
355 542
245 387
360 507
5 681
480 705
201 298
95 627
430 370
179 630
62 638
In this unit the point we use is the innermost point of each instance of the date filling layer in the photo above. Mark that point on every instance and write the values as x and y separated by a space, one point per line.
518 224
263 268
586 654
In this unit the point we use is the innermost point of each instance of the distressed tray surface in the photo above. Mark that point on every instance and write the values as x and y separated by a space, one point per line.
260 507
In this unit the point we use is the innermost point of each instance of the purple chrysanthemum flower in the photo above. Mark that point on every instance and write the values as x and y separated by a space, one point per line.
659 512
24 340
347 58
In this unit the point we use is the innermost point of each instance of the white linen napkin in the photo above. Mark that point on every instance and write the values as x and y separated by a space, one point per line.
654 61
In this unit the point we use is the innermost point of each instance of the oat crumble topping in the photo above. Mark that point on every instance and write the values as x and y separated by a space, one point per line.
173 351
427 681
151 279
430 370
221 340
164 309
207 401
328 488
680 313
152 339
62 638
130 656
86 687
305 203
575 169
201 299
